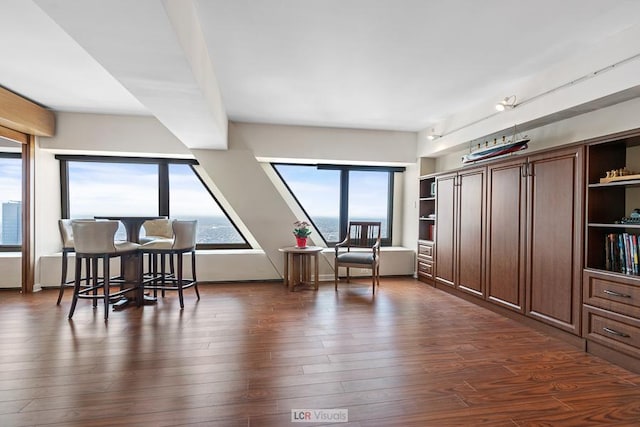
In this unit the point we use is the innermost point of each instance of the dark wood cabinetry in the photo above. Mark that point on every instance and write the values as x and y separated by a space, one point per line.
554 238
506 220
511 233
611 280
460 230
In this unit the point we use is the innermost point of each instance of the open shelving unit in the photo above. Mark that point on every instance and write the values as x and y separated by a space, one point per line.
427 209
608 203
426 228
611 279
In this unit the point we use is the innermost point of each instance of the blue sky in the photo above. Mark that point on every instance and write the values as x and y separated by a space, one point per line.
11 182
318 190
132 189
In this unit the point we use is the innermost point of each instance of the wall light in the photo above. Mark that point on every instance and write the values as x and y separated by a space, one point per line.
506 104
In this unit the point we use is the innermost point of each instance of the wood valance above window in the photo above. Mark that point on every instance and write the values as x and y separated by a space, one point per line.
20 114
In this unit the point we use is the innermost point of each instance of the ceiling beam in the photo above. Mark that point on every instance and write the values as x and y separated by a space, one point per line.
156 50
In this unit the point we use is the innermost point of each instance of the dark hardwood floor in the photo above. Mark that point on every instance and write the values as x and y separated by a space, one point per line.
248 353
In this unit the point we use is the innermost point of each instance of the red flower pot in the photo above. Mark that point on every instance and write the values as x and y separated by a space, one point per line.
301 242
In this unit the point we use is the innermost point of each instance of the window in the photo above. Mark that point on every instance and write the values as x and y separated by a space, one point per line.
332 195
122 186
11 201
190 199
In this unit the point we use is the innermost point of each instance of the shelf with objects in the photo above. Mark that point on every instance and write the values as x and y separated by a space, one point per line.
611 279
426 228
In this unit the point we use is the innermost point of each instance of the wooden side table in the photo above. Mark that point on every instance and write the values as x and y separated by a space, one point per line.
300 265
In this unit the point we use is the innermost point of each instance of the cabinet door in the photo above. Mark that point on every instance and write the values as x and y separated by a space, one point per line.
554 238
470 231
506 216
445 229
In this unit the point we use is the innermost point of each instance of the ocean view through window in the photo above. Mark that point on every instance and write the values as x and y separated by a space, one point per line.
99 186
332 196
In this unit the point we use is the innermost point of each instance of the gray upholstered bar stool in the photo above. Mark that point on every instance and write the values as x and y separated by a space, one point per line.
158 230
184 241
94 241
66 234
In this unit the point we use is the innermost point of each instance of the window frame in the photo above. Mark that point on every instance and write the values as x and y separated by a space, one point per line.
343 219
12 155
163 188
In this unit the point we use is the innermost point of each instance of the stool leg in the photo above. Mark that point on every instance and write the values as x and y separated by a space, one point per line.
76 287
63 278
179 280
95 282
193 272
140 287
105 268
155 274
163 271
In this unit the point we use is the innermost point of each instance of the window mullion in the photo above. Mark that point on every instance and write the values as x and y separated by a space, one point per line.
344 202
163 189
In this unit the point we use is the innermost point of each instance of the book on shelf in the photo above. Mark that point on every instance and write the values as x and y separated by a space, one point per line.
622 253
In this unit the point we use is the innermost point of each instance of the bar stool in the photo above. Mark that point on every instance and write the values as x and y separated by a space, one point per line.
157 230
66 234
184 241
94 241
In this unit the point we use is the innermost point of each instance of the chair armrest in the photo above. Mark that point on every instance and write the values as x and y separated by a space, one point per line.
376 248
341 244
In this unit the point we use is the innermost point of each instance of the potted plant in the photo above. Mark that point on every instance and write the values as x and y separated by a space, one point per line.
301 231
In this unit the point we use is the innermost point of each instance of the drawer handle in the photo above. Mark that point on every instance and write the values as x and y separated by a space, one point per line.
616 294
616 333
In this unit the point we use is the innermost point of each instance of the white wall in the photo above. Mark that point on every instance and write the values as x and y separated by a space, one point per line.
242 183
11 269
617 118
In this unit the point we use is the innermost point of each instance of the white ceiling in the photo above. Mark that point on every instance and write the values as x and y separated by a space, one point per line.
373 64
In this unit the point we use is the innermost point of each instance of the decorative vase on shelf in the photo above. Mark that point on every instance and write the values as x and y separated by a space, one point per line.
301 242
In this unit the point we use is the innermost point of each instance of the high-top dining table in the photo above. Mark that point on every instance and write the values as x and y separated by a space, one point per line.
131 265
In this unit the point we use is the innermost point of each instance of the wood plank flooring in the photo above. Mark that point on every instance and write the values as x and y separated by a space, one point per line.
248 353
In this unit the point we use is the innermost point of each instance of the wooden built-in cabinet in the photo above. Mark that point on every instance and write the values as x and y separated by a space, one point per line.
510 233
426 228
554 237
611 287
460 228
506 234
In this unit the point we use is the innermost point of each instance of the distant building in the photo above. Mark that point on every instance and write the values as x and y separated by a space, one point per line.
12 223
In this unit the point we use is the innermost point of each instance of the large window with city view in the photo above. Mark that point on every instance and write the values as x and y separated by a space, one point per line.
11 201
102 186
331 196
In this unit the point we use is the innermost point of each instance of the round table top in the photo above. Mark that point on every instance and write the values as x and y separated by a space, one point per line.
306 249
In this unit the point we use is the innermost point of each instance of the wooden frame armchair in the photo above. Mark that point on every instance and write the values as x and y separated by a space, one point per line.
362 245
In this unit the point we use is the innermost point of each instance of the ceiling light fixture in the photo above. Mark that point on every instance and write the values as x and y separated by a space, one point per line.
506 104
433 135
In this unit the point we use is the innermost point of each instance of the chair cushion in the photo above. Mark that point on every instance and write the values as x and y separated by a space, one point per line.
158 244
126 246
365 258
158 228
147 239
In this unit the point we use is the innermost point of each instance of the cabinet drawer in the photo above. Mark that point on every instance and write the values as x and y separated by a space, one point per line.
425 250
619 295
621 333
425 268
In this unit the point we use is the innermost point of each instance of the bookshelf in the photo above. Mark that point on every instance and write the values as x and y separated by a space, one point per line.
611 279
426 228
609 203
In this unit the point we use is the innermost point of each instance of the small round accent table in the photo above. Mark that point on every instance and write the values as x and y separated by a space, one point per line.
299 268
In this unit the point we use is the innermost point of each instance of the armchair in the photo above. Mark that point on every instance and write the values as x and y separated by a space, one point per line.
362 245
